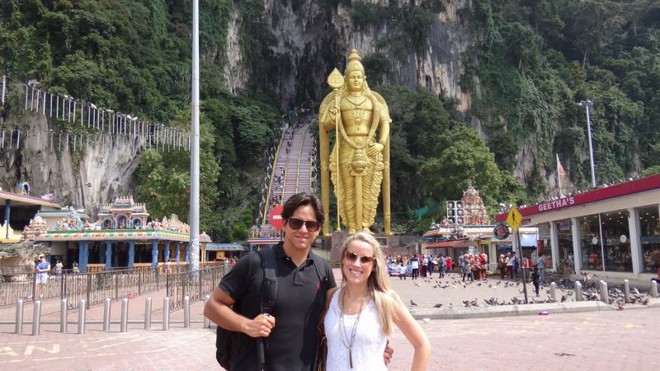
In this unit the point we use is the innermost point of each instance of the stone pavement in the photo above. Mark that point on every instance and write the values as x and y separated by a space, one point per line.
601 339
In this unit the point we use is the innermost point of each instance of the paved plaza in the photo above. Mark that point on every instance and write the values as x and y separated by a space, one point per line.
602 338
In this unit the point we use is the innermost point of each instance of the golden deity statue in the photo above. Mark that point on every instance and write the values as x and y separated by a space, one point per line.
360 160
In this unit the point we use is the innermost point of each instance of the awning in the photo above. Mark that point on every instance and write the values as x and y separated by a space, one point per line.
224 247
509 247
264 241
450 244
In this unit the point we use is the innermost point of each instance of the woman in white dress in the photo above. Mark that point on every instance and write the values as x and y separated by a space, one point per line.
364 309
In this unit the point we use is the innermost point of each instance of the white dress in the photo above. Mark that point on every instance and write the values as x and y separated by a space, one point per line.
369 343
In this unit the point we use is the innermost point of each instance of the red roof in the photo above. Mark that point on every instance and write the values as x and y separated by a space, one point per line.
449 244
596 195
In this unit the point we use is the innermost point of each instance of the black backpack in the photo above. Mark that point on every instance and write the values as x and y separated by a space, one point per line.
225 338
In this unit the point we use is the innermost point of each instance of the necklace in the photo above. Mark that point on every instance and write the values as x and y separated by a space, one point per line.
344 337
364 99
359 109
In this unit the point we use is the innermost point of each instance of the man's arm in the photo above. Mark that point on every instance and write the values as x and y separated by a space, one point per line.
218 310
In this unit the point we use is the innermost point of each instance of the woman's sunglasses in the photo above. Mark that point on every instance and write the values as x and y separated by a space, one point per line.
352 257
311 225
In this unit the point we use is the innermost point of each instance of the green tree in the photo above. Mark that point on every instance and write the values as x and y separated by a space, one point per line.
462 159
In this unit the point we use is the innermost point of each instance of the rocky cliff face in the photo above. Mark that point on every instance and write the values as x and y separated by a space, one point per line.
81 171
312 39
315 39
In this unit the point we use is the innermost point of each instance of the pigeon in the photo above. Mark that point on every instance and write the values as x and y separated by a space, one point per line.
437 306
563 298
412 303
417 284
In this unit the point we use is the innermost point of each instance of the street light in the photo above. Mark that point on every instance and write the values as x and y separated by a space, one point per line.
586 104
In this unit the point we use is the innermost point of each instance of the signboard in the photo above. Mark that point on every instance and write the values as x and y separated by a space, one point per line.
514 219
275 217
501 231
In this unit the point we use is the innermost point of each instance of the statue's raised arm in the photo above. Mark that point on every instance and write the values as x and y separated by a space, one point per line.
359 161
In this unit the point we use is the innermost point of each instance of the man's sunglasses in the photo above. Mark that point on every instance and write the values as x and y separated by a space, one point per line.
311 225
352 257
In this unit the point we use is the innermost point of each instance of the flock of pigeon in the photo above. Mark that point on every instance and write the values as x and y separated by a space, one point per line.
564 291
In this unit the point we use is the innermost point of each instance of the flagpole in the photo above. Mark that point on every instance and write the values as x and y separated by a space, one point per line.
559 176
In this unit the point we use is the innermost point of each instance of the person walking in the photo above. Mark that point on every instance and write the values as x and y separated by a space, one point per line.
414 262
363 311
540 264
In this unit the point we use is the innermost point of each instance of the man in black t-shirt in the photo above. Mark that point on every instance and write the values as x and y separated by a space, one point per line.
290 329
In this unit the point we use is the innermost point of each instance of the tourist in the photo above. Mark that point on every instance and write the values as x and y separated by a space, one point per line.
535 280
430 263
483 265
540 264
42 268
516 265
509 264
58 269
414 263
501 265
363 311
290 328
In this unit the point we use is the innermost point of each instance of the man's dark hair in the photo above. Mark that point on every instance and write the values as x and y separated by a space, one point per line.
303 199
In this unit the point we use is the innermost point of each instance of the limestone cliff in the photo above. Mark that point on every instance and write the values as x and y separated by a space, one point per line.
313 39
83 172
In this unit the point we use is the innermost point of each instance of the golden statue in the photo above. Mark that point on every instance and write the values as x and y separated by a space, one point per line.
360 159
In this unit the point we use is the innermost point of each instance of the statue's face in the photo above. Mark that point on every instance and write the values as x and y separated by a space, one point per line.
355 80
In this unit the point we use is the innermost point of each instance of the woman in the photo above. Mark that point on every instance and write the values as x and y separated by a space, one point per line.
501 264
363 311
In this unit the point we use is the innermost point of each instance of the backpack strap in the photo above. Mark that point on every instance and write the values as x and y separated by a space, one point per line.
269 284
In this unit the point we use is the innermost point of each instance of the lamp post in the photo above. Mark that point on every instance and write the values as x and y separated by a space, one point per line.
586 104
194 155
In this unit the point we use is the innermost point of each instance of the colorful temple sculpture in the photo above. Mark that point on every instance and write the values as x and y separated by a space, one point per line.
121 237
474 212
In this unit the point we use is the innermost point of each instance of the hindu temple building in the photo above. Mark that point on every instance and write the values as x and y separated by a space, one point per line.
121 237
18 208
467 228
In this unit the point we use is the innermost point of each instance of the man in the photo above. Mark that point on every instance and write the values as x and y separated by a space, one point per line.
540 264
42 269
290 329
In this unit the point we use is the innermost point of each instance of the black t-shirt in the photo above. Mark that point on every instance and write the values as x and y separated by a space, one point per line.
298 303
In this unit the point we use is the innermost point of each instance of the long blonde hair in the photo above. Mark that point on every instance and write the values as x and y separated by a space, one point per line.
378 284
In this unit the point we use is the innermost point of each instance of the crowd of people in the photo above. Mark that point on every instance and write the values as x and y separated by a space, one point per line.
416 266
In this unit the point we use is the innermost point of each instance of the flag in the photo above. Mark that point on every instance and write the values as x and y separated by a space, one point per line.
560 169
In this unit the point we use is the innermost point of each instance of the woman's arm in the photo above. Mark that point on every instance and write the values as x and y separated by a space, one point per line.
415 335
